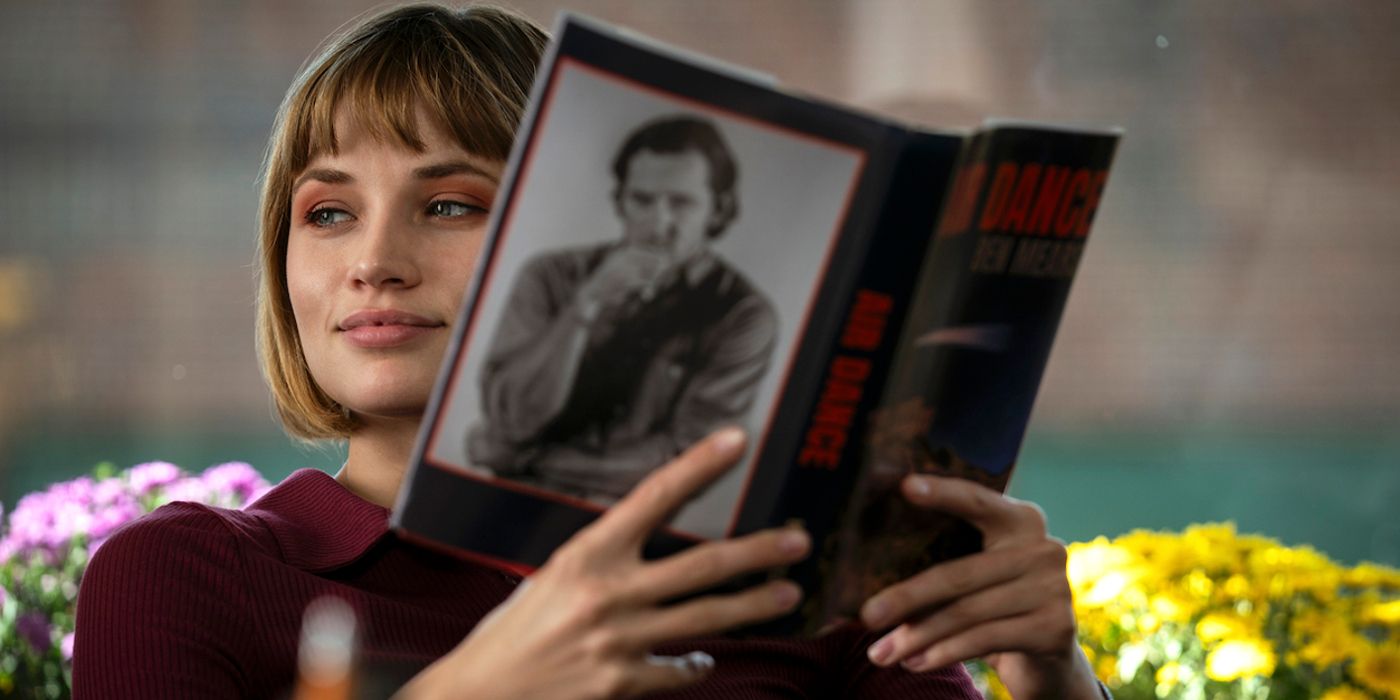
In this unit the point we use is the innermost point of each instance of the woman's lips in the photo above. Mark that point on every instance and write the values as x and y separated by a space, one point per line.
385 328
386 336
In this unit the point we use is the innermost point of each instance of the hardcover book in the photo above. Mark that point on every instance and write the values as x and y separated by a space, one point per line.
679 245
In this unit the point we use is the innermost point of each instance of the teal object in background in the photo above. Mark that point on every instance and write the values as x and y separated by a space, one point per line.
1337 492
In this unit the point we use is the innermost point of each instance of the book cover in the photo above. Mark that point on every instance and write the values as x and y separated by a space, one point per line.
679 245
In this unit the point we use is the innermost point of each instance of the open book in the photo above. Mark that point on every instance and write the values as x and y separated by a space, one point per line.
680 245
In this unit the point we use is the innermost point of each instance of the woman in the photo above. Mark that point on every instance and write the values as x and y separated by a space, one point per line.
383 166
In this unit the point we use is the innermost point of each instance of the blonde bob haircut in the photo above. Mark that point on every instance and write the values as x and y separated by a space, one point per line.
469 68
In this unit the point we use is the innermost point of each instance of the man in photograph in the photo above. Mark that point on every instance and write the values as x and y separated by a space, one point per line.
609 359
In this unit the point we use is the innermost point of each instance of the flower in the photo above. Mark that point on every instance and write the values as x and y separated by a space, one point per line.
1213 613
1323 640
238 480
1169 675
145 478
1344 692
1240 658
34 629
1379 669
1217 627
47 540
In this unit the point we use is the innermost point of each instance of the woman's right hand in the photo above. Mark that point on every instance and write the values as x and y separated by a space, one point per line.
584 624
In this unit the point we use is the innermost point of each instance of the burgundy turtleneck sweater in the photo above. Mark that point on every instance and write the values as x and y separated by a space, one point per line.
199 602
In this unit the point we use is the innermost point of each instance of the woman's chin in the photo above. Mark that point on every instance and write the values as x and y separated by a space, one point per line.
389 410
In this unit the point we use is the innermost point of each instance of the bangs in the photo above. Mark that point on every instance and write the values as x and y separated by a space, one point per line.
378 81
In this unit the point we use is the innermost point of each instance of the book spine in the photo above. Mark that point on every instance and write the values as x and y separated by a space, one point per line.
823 455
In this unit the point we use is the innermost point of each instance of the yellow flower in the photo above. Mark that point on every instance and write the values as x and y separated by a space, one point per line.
1372 575
1170 607
1199 584
1090 563
1239 587
1108 588
1387 613
1168 595
1106 667
1324 639
1169 675
1379 669
1213 547
1240 658
1344 692
1147 623
1216 627
996 690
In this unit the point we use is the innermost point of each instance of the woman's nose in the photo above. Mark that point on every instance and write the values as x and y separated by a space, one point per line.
384 258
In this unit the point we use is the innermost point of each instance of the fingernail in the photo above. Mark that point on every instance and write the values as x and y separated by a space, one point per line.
787 595
915 663
880 651
793 542
876 609
919 486
728 440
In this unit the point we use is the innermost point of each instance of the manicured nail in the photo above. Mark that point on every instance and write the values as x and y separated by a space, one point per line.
875 612
917 662
787 594
794 542
728 440
919 486
880 651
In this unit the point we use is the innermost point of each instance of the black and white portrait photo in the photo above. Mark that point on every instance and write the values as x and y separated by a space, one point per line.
612 356
648 286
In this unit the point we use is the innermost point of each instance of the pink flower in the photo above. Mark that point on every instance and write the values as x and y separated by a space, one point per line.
235 482
192 489
147 477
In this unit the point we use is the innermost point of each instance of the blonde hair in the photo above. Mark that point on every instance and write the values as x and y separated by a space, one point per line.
469 68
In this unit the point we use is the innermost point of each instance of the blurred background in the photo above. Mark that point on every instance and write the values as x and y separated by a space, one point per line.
1231 349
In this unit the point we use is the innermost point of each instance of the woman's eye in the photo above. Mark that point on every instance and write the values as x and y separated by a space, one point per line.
449 209
327 216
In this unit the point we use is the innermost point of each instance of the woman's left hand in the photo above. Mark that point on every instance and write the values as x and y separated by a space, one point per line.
1009 604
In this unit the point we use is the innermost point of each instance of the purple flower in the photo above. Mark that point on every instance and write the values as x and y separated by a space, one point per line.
110 490
234 481
37 525
147 477
33 626
112 516
191 489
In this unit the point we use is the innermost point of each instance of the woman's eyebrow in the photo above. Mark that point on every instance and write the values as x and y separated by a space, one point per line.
326 175
456 167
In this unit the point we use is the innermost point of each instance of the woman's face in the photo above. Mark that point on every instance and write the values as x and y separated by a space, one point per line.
382 244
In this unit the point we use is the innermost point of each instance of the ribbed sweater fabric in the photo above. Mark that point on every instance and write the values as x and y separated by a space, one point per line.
199 602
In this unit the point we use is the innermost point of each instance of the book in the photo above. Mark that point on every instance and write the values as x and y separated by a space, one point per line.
679 244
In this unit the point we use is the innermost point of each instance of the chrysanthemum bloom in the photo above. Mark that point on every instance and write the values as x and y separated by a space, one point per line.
1379 668
1240 658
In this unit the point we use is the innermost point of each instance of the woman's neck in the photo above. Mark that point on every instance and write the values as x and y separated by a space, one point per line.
379 452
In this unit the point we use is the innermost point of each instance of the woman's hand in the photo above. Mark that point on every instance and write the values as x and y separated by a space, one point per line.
584 624
1009 603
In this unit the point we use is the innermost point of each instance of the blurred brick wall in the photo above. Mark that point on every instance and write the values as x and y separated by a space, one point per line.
1243 272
